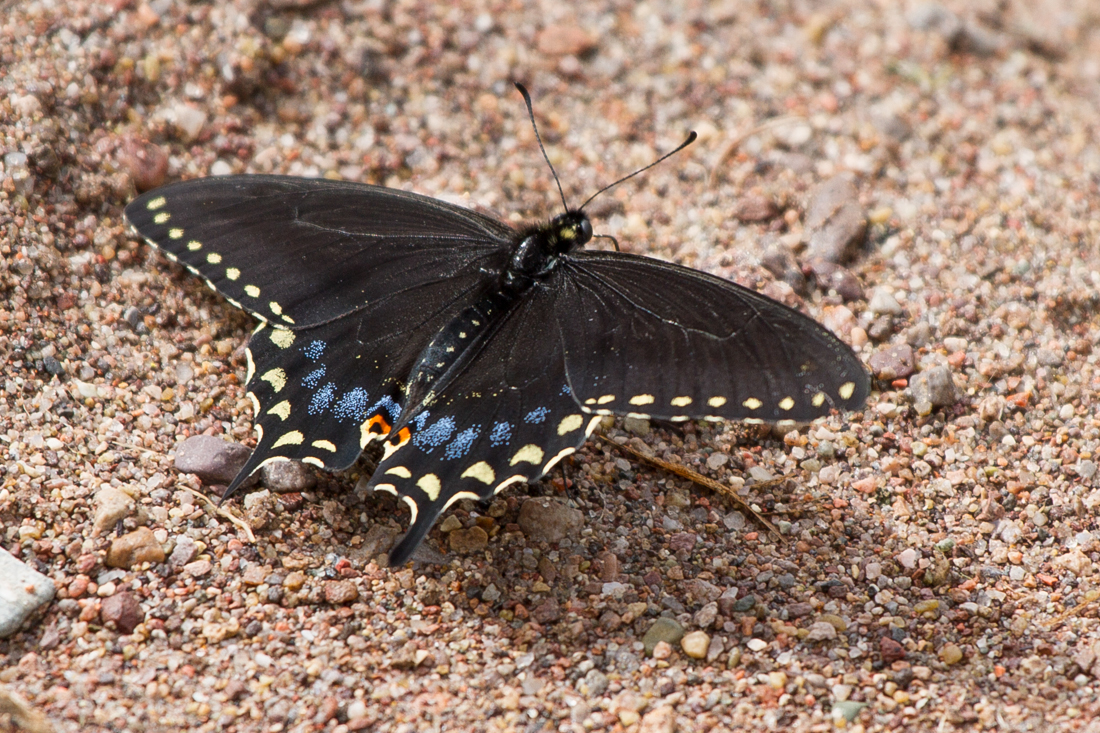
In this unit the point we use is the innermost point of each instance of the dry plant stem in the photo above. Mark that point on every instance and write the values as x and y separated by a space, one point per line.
237 522
704 481
731 146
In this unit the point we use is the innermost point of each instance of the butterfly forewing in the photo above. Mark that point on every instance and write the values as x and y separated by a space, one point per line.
657 339
300 252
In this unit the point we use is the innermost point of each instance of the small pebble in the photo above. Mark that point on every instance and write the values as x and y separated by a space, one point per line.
466 541
695 644
548 520
134 548
663 629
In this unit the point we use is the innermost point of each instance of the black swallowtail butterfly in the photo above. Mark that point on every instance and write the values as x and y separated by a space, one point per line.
480 355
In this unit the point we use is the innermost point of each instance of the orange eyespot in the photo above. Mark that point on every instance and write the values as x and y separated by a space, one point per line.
378 425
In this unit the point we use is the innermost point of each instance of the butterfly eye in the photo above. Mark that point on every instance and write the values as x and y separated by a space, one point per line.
585 227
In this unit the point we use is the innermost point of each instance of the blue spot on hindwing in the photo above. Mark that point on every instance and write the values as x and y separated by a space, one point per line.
501 434
314 350
420 419
565 389
388 404
322 398
434 435
537 415
313 377
460 446
352 405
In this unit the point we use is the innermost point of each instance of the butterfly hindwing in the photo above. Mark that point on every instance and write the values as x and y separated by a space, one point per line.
666 341
300 252
507 418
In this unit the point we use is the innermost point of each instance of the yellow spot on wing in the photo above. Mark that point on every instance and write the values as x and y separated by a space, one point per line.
275 308
156 203
214 258
481 471
282 337
232 273
786 403
314 461
161 217
386 487
324 445
529 453
255 404
818 400
752 403
680 401
642 399
194 245
570 423
251 371
294 437
605 399
281 410
847 390
252 291
276 378
400 471
414 510
429 484
461 495
175 233
553 461
716 401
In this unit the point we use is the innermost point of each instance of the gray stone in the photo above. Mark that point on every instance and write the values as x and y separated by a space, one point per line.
935 386
23 590
663 629
835 224
286 477
213 460
183 552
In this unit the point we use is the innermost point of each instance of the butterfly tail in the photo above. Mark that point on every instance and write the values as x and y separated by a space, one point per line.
425 518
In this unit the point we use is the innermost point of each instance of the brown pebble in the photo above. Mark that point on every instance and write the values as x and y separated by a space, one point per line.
198 568
146 163
340 592
122 609
465 541
548 520
547 612
892 362
134 548
754 208
564 40
891 650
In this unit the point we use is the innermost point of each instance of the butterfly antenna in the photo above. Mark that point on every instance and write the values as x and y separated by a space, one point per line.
690 139
531 113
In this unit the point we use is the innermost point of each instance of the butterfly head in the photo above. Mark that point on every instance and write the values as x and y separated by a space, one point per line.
569 231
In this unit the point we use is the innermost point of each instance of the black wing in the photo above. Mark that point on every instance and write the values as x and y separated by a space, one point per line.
352 281
651 338
507 418
298 252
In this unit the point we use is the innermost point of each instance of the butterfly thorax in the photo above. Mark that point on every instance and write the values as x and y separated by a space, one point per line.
538 248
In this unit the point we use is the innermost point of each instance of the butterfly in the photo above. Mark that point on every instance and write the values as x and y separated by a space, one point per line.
479 355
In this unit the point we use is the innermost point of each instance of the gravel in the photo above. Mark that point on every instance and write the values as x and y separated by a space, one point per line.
936 562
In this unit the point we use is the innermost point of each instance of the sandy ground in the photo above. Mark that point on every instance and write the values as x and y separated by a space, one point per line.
934 568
